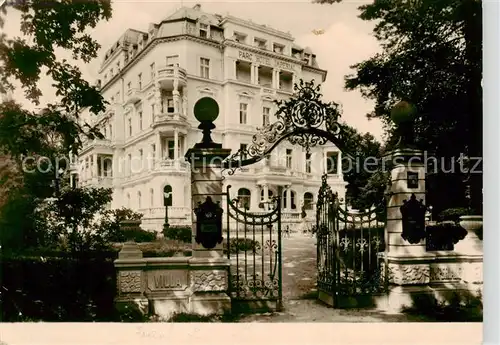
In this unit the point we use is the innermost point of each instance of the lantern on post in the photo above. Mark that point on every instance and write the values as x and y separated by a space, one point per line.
167 201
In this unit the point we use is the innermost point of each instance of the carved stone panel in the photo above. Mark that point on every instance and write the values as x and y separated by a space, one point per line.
130 281
407 274
167 280
444 273
209 280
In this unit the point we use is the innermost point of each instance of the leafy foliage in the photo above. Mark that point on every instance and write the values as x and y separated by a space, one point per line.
28 138
366 180
42 288
454 214
431 57
180 233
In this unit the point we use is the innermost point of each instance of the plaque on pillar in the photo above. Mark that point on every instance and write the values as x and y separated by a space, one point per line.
208 223
412 179
413 213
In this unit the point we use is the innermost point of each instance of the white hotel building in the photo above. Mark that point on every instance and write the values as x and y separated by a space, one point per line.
152 80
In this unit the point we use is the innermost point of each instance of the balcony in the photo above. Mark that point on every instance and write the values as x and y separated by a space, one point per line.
267 91
133 95
173 119
105 182
280 171
159 212
98 145
167 74
179 166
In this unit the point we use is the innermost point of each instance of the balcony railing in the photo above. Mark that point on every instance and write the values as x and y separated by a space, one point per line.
105 181
166 118
172 165
97 142
159 212
172 72
133 95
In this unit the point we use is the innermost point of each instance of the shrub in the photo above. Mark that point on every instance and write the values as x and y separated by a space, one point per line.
242 245
179 233
138 235
165 248
443 236
454 214
113 232
45 288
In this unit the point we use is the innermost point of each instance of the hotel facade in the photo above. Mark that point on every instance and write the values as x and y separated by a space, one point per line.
152 80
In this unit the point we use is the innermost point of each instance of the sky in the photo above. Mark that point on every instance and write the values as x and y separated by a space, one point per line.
346 40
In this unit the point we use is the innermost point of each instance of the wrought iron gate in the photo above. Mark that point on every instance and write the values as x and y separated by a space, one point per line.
254 249
348 243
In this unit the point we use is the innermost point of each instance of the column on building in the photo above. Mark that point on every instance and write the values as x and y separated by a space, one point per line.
276 78
254 198
159 151
252 74
94 166
234 66
184 101
100 171
176 144
266 195
286 198
294 80
157 99
176 95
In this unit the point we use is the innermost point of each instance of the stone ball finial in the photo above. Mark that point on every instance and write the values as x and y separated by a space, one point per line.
403 112
206 109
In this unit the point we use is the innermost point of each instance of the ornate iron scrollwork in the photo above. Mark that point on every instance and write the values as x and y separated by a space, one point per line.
304 120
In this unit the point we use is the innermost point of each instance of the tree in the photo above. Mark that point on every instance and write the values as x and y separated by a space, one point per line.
55 130
365 186
431 57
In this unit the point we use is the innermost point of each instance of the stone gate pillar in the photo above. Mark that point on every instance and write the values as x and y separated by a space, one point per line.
209 267
407 179
406 261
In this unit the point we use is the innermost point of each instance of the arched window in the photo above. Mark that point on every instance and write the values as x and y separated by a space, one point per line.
244 198
262 199
293 205
308 201
151 197
139 196
128 200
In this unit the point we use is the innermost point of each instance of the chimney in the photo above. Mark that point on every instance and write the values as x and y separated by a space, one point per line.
197 7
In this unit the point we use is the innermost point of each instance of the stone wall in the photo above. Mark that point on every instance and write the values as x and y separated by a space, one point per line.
164 286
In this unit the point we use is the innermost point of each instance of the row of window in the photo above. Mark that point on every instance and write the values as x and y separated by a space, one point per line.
245 196
331 160
266 113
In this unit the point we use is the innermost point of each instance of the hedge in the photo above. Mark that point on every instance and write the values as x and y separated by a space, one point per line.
58 288
179 233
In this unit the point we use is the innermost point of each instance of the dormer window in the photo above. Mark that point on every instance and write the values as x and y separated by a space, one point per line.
296 53
260 43
307 58
203 30
239 37
111 73
278 48
118 66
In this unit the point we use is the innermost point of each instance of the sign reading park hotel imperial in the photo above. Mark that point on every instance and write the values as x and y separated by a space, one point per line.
266 61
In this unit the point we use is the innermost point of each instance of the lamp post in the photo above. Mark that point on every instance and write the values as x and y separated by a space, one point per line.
58 172
167 201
